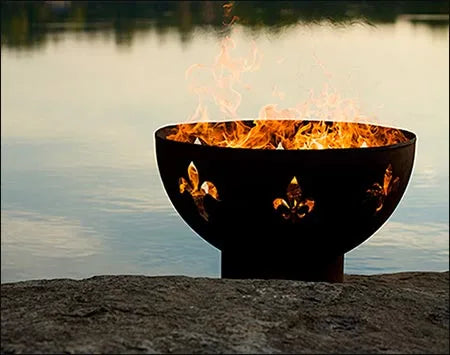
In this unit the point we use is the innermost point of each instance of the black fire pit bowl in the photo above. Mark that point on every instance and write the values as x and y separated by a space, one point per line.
285 214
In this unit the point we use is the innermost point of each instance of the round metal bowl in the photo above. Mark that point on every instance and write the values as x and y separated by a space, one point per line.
284 213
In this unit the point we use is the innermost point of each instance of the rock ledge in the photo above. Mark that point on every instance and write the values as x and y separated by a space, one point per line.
403 313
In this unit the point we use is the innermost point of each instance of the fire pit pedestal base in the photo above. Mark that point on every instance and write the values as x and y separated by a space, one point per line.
239 266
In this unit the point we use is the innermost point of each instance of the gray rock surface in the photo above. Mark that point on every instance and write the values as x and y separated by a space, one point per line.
403 313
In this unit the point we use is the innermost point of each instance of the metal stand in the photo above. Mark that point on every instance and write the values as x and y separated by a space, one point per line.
237 265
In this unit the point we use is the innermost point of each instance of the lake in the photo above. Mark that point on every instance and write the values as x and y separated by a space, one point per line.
84 87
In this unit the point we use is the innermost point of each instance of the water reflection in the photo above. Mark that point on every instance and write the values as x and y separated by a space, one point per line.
48 236
31 25
81 194
402 246
34 245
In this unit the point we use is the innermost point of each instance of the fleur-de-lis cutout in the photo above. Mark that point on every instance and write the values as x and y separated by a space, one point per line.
295 207
198 194
380 192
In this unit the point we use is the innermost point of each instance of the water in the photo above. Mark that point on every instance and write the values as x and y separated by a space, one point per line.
81 97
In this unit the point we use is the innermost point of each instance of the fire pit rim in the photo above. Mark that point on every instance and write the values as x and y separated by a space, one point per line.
159 133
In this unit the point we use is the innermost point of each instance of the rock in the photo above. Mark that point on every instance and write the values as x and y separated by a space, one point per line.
402 313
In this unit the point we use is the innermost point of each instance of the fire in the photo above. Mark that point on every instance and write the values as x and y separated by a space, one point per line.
198 194
287 134
324 121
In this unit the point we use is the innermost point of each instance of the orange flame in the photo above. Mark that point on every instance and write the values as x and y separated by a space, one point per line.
226 72
287 134
305 126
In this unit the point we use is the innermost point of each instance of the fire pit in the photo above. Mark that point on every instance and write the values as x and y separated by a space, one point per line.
280 205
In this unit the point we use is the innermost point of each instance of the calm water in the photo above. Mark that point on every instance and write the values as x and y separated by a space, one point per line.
80 190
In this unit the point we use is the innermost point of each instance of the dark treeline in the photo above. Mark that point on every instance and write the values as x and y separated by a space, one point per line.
29 24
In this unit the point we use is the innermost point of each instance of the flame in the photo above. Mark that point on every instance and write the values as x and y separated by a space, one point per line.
306 126
278 93
198 195
226 73
323 121
287 134
227 10
380 192
295 208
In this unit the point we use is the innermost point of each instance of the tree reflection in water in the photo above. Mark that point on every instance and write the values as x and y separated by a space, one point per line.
30 25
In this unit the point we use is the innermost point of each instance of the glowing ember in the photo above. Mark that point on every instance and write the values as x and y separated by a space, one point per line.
287 134
379 193
295 208
198 194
